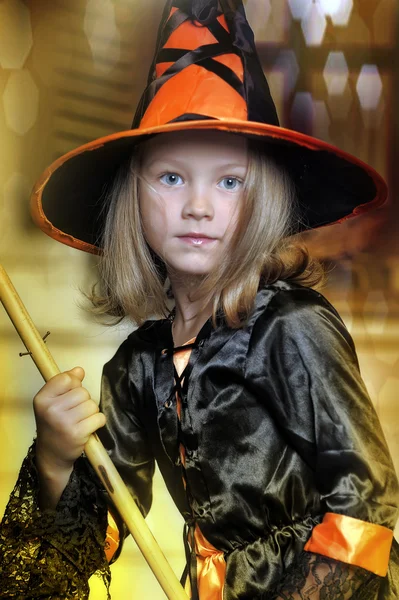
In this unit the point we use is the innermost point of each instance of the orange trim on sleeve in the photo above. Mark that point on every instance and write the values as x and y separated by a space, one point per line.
112 539
352 541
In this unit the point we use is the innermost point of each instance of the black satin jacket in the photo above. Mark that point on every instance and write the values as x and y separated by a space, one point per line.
277 426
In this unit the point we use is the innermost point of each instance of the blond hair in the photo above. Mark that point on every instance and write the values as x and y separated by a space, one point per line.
132 278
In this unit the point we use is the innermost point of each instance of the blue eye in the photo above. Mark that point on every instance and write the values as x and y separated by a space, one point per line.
230 183
171 179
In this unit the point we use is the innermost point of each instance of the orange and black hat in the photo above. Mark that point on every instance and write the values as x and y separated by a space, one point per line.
205 75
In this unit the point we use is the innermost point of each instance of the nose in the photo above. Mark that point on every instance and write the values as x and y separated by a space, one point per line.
198 204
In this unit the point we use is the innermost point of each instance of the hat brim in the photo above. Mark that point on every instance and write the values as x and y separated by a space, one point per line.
331 185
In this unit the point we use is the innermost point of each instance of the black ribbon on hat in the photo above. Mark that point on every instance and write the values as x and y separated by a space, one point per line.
260 104
204 11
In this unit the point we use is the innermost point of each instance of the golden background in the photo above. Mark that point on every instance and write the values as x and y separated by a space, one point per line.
73 70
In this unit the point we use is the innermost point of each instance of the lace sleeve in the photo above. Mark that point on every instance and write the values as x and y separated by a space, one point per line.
316 577
52 553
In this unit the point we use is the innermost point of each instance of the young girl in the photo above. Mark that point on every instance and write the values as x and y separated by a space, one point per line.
247 393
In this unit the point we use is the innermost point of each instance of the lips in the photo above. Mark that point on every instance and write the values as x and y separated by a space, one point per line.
196 239
196 235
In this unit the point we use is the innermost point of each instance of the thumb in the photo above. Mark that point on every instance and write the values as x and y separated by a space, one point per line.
78 372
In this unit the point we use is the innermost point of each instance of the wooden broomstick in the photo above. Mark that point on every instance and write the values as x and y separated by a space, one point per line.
94 450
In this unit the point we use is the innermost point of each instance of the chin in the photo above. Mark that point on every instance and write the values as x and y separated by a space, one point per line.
185 271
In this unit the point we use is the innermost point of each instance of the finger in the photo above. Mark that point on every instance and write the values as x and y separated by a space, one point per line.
70 399
88 426
83 411
60 384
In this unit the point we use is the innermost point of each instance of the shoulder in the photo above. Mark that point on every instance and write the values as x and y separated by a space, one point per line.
299 316
288 301
147 337
287 298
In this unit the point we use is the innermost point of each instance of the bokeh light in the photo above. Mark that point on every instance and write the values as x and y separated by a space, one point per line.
20 101
369 87
314 25
299 8
15 35
336 73
258 14
339 10
288 64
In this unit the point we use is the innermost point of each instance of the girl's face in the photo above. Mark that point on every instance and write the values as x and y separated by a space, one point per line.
191 186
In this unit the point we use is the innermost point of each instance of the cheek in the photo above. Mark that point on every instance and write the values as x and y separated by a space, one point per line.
154 220
153 228
230 217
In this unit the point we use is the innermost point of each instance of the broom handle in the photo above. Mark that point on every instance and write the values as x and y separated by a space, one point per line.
94 449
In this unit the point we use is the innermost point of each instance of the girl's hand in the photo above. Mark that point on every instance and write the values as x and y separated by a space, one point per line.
65 418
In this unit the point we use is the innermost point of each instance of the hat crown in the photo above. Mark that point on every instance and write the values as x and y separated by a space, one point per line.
205 67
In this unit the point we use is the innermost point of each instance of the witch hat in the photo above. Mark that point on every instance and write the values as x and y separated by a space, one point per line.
205 75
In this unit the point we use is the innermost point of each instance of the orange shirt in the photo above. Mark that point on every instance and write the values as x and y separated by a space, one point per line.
211 566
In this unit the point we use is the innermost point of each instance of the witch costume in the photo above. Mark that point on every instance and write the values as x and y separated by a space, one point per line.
265 435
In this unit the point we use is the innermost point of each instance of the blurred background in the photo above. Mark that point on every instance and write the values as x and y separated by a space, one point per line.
72 71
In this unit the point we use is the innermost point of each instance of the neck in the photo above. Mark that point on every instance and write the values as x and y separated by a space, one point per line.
191 314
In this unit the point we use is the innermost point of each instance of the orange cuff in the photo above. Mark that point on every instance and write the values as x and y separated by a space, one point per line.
112 539
352 541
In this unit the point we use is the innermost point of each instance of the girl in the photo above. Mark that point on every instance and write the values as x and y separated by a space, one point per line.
247 393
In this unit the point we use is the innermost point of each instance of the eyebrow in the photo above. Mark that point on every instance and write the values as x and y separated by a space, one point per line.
177 162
